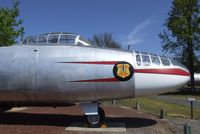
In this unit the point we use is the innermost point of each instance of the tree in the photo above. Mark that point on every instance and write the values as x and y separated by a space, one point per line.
182 36
10 28
104 40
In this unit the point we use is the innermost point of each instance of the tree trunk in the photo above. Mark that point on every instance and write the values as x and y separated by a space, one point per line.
191 64
190 46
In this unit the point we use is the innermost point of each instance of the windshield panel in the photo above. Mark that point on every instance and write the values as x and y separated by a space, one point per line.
42 39
71 39
53 38
67 39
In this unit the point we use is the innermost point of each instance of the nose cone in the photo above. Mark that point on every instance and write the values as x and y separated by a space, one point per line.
158 74
183 77
162 80
186 73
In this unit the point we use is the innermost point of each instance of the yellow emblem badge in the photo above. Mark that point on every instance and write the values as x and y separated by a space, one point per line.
123 70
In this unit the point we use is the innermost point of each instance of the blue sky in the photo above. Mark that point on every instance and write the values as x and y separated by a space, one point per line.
132 22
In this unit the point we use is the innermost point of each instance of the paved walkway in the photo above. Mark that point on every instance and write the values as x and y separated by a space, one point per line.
180 101
181 121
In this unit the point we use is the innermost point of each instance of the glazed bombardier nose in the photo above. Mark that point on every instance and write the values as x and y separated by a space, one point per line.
158 74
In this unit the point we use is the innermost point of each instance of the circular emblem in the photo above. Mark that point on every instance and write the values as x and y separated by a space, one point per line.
123 71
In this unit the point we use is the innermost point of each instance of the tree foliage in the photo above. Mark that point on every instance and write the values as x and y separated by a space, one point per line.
182 34
104 40
10 28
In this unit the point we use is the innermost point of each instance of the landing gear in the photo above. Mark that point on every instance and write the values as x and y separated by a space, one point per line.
93 120
96 120
94 114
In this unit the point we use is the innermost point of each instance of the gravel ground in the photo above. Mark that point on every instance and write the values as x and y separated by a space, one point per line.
45 120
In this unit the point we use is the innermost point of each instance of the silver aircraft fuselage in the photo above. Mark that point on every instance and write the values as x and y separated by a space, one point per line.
56 73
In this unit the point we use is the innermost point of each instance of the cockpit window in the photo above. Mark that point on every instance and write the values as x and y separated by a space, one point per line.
155 60
42 39
71 39
57 38
165 61
67 39
31 41
53 38
63 39
145 60
25 41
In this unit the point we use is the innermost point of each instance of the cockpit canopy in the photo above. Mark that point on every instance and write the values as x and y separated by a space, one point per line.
57 38
147 60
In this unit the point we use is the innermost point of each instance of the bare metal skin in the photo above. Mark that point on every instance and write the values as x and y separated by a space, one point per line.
43 74
60 69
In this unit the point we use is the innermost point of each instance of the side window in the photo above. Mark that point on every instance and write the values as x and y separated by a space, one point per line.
145 60
138 59
42 39
31 41
63 39
155 60
25 41
68 39
71 39
53 38
165 61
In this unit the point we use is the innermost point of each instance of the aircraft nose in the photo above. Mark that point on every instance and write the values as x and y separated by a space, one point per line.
183 70
185 79
162 78
182 73
188 75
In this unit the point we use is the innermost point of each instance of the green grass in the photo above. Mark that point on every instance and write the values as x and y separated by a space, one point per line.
184 94
153 106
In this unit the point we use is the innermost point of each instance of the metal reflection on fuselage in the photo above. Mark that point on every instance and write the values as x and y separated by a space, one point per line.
63 73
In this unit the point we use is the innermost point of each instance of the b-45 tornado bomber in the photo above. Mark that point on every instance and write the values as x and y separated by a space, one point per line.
61 69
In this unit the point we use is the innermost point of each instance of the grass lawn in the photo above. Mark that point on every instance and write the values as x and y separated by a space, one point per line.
184 94
153 106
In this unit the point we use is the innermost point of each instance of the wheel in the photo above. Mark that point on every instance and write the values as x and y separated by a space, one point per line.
96 120
93 120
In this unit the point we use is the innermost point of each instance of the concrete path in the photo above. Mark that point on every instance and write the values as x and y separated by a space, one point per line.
180 122
180 101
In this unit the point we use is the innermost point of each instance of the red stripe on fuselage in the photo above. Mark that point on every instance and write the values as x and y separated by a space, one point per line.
170 71
98 80
94 62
